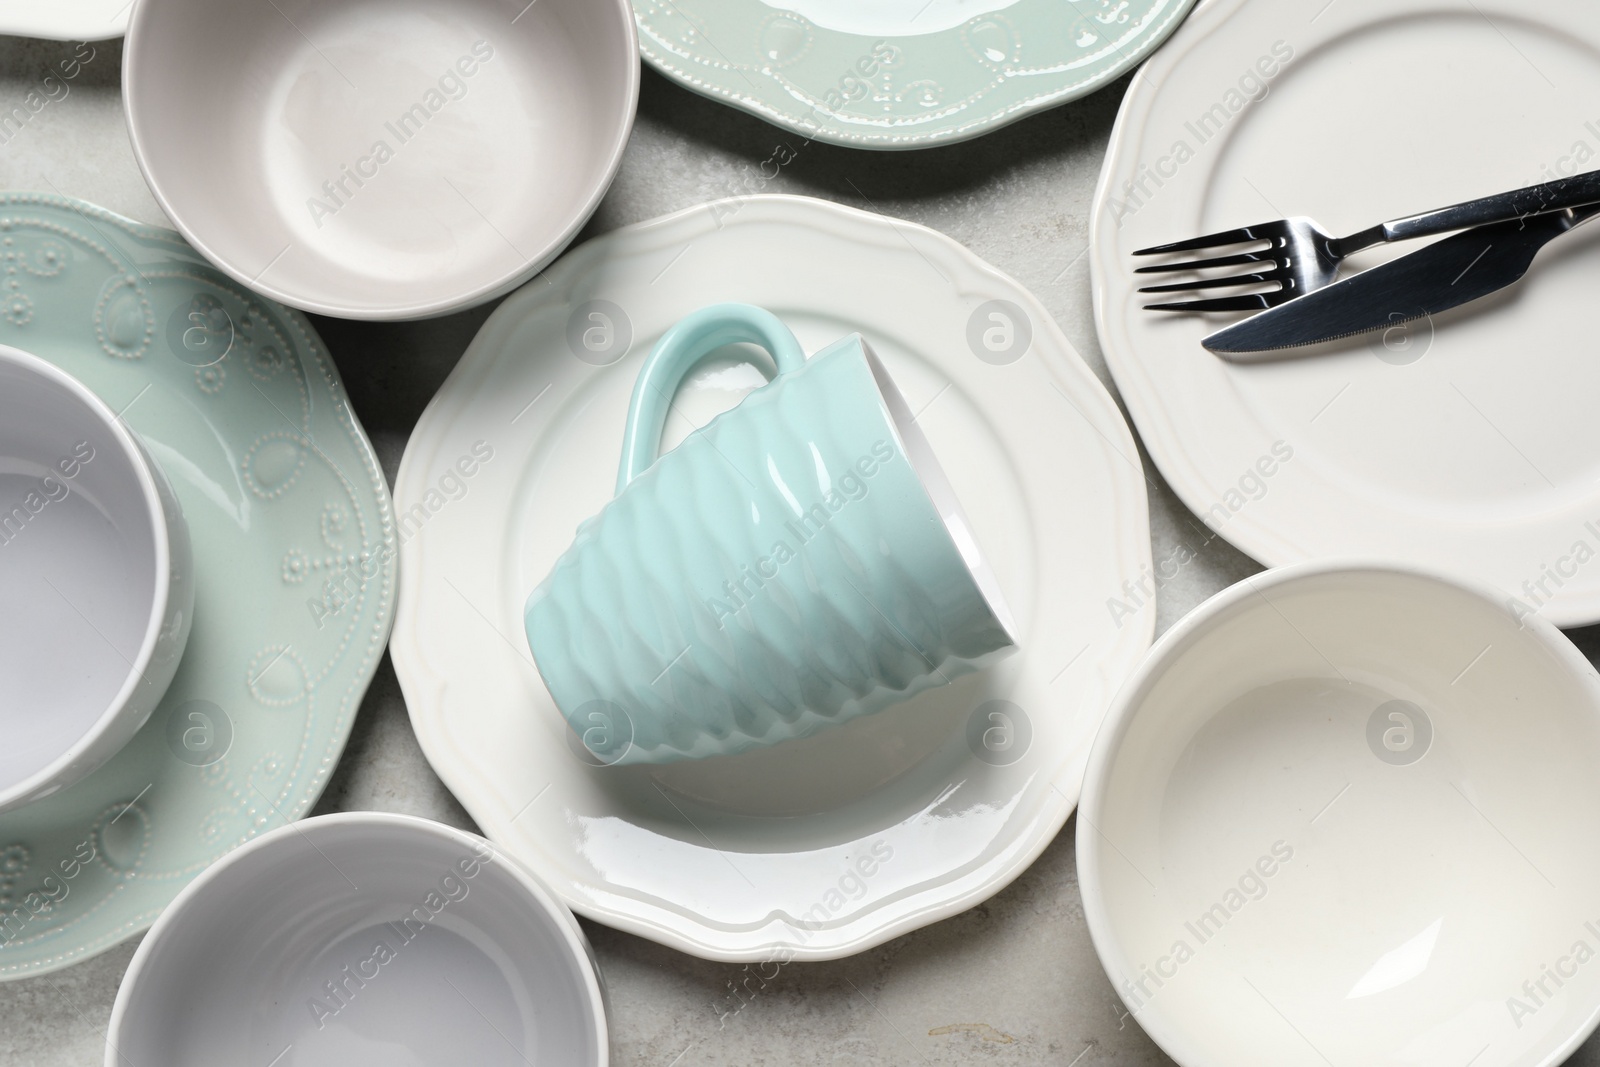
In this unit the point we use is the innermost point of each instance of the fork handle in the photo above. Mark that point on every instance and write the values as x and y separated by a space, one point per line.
1558 195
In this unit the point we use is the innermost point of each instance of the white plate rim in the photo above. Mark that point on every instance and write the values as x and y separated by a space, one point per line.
1171 452
46 21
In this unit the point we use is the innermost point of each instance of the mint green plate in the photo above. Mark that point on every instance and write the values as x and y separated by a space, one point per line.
899 73
294 544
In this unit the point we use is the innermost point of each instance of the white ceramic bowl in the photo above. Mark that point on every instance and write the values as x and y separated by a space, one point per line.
380 159
362 938
96 581
1347 814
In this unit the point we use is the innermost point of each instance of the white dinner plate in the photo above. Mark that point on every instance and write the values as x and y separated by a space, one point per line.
65 20
1467 442
821 847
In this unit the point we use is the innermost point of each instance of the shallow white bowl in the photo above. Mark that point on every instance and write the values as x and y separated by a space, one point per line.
362 938
380 159
1345 814
96 581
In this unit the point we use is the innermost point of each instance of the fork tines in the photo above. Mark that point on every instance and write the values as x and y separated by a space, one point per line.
1206 264
1249 302
1243 235
1269 271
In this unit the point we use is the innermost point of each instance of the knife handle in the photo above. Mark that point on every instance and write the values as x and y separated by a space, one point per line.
1558 195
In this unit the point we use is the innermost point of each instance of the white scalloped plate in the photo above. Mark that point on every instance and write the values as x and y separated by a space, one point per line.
818 848
1467 442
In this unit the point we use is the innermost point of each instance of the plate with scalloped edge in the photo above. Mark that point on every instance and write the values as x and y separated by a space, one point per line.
294 554
821 847
1463 441
900 73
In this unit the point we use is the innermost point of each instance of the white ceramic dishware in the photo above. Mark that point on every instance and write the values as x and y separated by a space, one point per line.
362 937
1461 441
819 847
1344 814
293 537
65 20
375 160
97 576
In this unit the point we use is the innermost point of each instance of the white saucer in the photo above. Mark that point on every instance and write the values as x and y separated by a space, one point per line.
1466 443
822 847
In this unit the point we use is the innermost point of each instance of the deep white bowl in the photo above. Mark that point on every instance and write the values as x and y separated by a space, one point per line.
1347 813
362 938
96 580
380 159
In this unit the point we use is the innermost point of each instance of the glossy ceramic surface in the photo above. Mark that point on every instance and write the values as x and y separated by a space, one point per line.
65 20
380 160
1464 441
96 566
294 547
362 938
784 569
1343 814
825 846
903 73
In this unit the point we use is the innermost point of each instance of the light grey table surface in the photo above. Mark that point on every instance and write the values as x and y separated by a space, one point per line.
1013 981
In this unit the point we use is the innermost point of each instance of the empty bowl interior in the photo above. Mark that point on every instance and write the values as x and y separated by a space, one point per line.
1349 818
380 156
365 940
78 569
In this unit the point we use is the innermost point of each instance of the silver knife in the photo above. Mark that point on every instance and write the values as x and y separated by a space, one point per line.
1443 275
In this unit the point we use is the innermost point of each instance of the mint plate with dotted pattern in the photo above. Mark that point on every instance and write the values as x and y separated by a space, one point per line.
294 544
899 73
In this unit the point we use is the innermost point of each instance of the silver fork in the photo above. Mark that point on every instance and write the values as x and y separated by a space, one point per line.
1301 257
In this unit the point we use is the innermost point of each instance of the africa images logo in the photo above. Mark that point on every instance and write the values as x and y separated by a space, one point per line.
1546 985
1250 886
392 937
15 517
1251 87
339 190
808 524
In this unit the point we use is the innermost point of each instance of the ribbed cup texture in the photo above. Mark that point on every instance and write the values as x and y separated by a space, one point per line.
780 571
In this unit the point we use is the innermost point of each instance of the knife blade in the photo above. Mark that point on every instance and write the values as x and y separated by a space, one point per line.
1445 274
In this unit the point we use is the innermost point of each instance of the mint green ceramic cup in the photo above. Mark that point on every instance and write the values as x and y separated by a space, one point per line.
798 562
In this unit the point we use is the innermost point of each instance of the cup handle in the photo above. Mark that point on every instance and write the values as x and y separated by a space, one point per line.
680 348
